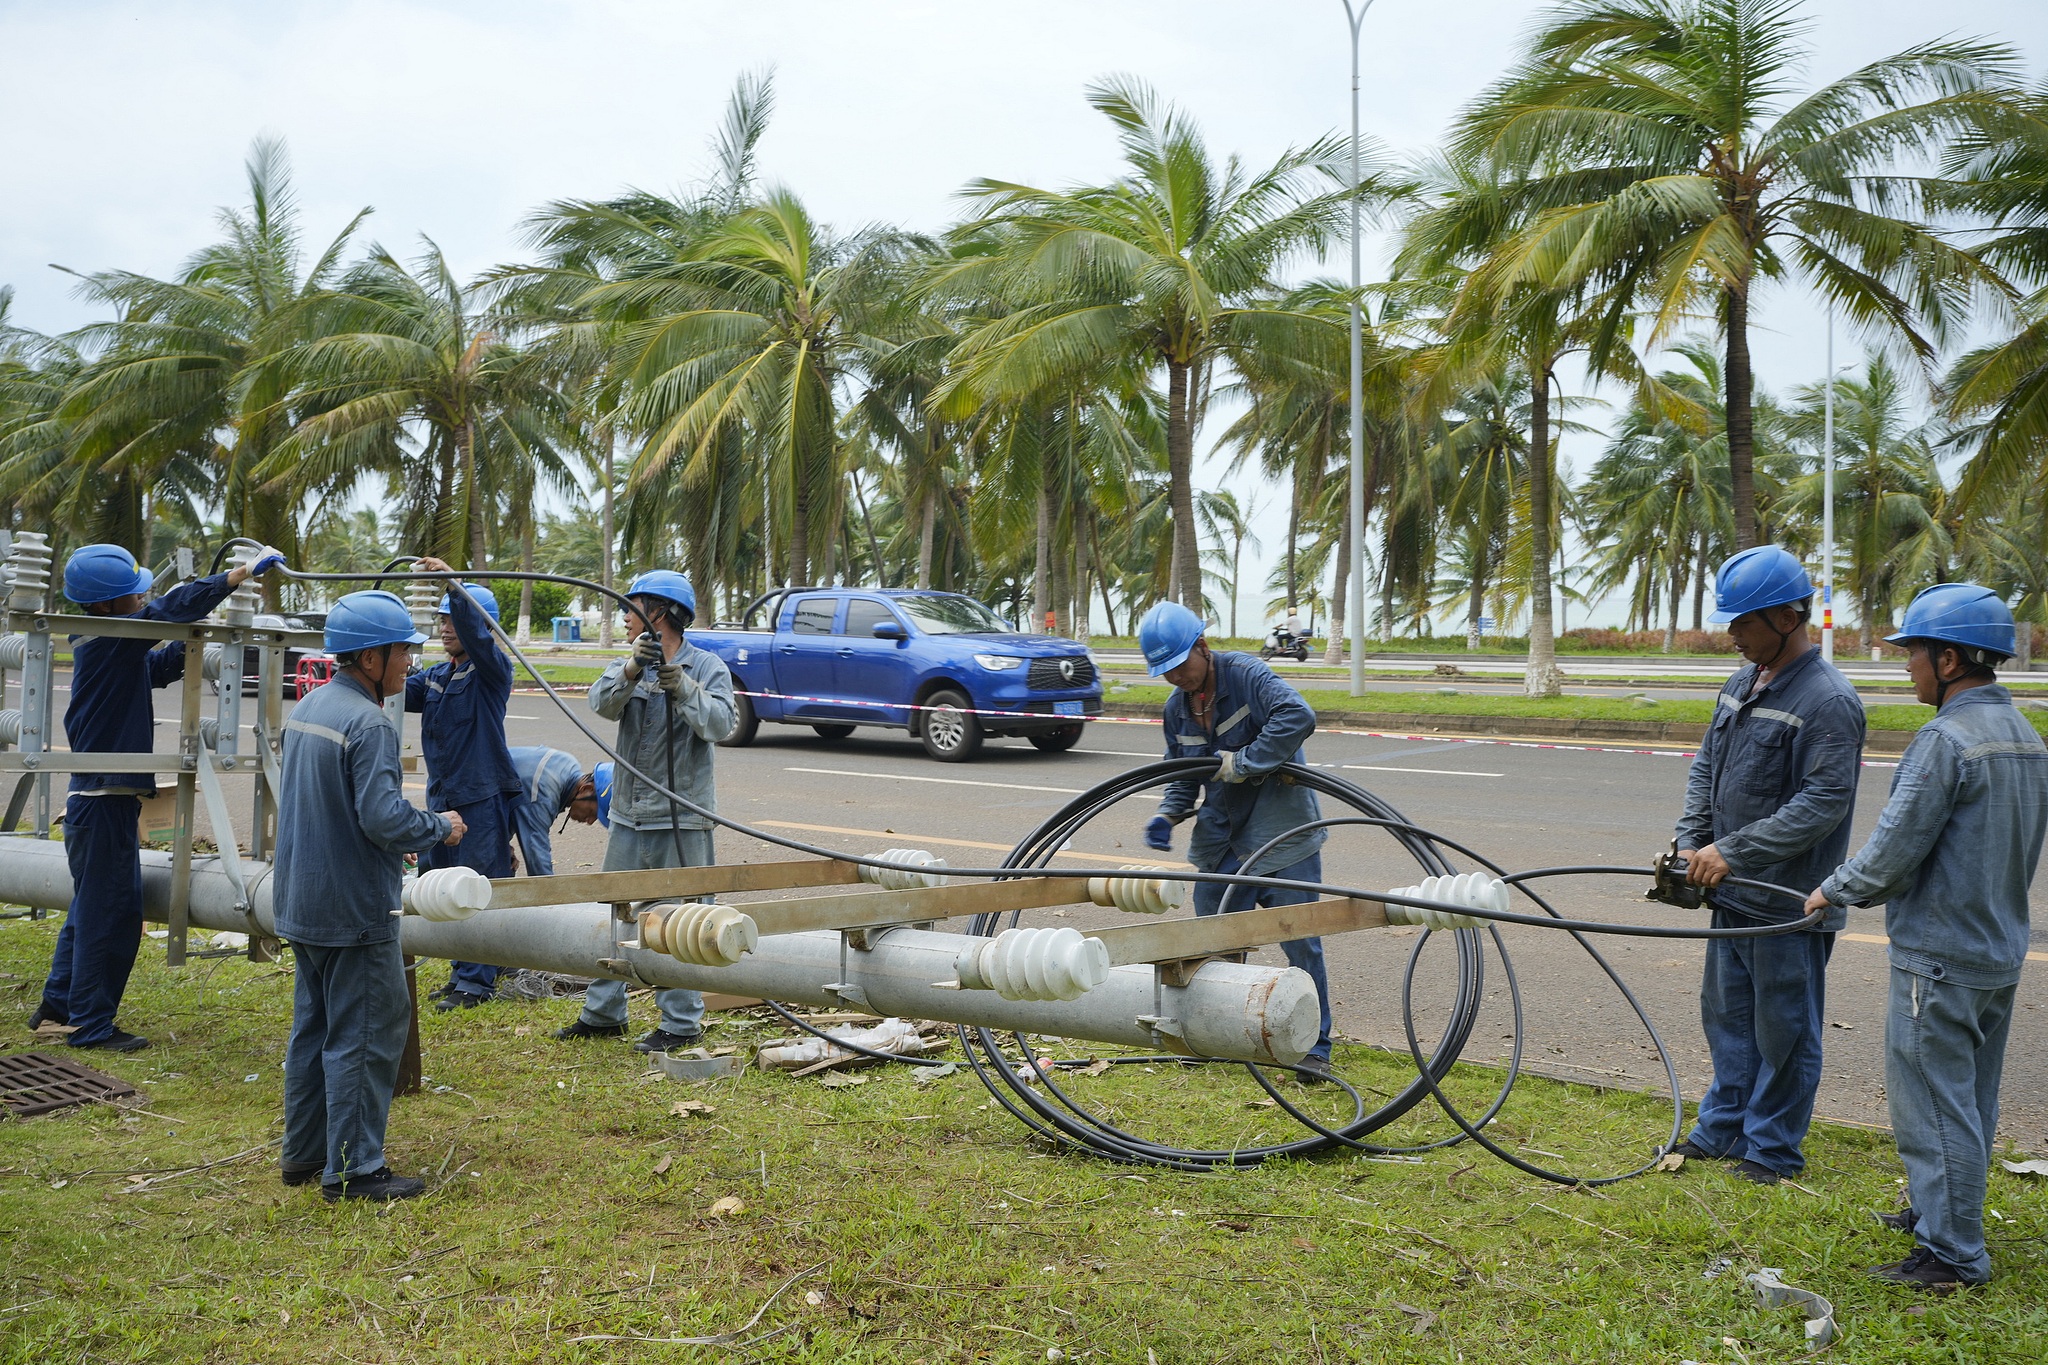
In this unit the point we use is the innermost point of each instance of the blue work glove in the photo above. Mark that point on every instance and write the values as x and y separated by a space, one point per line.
267 558
1227 769
1159 834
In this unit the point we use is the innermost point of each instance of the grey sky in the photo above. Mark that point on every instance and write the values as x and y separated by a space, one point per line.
128 122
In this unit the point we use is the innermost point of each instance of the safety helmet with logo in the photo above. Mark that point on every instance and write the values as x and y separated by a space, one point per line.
667 584
601 788
101 573
1973 618
478 594
1167 635
1760 577
365 620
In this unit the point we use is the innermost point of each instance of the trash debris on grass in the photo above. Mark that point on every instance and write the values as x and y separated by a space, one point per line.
667 1160
2036 1167
691 1109
728 1206
839 1080
925 1075
804 1056
1773 1292
688 1067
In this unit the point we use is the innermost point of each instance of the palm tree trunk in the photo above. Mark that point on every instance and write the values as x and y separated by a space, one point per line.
1293 535
526 586
604 549
1180 464
1478 606
472 497
1677 592
1101 572
925 536
1041 567
1542 678
441 518
799 534
1699 582
1741 425
1386 583
1236 576
867 524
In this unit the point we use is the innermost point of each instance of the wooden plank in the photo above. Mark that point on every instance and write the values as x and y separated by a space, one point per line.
670 883
861 909
1177 939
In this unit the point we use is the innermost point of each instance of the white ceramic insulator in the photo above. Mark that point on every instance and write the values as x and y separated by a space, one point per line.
448 893
1474 889
10 726
14 651
907 877
240 608
1038 964
28 571
699 934
1139 895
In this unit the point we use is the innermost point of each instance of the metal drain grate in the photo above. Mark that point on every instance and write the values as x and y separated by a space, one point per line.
36 1083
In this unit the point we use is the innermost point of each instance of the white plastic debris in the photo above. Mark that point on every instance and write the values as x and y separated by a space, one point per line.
891 1035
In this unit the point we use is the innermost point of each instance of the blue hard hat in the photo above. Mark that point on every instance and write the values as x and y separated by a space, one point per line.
364 620
666 583
1761 576
1166 635
478 594
601 788
1963 614
101 573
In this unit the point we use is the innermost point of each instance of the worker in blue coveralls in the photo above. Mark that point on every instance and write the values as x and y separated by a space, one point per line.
1951 858
1769 797
1232 707
673 702
469 766
343 830
552 785
111 711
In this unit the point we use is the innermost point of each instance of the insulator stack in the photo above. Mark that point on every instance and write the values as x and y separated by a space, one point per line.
1153 895
702 935
904 878
1035 964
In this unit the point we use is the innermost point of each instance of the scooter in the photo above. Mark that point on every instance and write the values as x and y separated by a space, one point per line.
1281 642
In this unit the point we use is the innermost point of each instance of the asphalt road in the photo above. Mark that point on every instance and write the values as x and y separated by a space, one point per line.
1522 806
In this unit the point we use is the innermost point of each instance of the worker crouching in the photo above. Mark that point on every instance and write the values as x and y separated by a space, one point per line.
343 830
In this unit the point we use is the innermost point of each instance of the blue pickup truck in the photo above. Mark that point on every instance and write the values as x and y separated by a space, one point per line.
940 665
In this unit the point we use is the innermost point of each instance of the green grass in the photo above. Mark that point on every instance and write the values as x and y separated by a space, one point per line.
1683 710
569 1200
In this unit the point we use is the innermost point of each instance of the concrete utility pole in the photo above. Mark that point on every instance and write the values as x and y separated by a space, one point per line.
1355 607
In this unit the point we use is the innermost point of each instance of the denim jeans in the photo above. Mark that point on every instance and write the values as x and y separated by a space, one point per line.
1760 1004
96 948
1944 1050
487 847
630 850
1305 953
351 1012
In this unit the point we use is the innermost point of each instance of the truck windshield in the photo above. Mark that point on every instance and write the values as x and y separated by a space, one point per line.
949 614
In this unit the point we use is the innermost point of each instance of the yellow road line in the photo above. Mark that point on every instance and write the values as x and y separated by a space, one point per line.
1882 941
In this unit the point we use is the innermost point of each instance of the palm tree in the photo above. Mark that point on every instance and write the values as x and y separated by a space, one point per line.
401 379
1228 522
1172 265
1667 168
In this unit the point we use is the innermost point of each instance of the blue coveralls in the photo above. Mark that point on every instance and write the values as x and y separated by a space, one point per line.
469 767
1952 858
547 783
111 711
343 830
1773 787
1256 713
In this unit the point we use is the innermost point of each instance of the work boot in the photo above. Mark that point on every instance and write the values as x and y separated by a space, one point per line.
1312 1071
460 1000
661 1040
379 1186
1691 1151
120 1040
1902 1221
299 1175
1756 1173
45 1015
580 1029
1922 1270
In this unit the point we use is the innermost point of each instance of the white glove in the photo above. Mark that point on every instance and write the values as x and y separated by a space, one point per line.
1475 889
1227 769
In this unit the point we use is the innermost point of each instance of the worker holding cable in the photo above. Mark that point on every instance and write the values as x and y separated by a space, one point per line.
343 830
1234 708
1952 857
1769 798
462 704
111 712
673 702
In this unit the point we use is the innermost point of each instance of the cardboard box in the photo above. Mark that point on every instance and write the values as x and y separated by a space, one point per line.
159 822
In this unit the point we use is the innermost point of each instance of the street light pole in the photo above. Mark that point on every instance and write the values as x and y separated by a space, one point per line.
1355 608
1827 502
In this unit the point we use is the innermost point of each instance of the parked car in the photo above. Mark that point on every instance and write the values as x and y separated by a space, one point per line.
293 654
940 665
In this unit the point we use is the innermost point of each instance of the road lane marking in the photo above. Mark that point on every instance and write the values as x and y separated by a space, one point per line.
1124 861
1884 941
1116 753
1439 772
947 781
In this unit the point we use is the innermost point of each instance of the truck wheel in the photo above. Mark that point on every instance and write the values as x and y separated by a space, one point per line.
833 732
951 732
1057 741
749 724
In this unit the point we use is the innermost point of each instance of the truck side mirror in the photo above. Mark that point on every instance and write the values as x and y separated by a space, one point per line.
890 630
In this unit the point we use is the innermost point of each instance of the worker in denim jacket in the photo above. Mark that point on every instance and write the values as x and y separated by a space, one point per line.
1951 858
1234 708
1769 798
